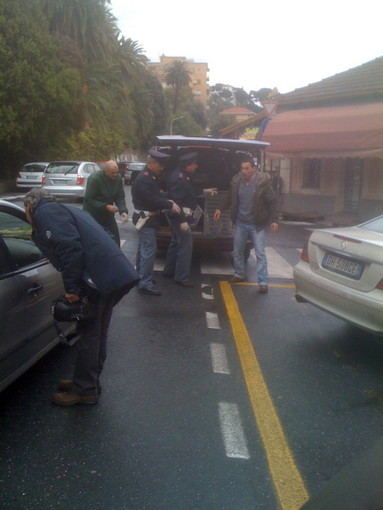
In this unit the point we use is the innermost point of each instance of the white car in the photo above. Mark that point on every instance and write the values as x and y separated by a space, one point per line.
341 272
30 175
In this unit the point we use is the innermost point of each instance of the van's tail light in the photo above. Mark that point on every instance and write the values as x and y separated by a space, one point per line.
18 175
380 285
305 253
43 179
80 181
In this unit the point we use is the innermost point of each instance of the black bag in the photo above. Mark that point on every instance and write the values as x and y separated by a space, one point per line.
64 311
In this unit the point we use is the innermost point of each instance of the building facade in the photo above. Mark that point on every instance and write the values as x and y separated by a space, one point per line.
326 145
198 73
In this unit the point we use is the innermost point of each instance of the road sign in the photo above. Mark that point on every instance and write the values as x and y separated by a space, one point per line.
269 107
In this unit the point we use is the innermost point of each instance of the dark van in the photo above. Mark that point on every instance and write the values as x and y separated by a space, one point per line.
218 162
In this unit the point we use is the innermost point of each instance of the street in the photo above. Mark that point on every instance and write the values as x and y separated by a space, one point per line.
213 398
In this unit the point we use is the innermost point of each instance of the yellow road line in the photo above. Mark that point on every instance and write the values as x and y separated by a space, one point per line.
282 286
289 486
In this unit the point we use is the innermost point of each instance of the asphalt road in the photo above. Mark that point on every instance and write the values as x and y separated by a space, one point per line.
214 398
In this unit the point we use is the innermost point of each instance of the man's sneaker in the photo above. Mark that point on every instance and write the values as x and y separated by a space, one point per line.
263 289
68 398
236 279
150 292
185 284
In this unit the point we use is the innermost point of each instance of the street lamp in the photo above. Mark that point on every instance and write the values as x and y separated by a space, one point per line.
171 123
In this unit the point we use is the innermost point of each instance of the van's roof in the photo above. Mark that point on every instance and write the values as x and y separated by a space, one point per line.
217 143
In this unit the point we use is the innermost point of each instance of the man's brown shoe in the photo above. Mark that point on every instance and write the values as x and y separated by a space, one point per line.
263 289
68 398
236 279
65 385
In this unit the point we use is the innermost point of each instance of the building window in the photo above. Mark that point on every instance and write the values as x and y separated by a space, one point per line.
311 173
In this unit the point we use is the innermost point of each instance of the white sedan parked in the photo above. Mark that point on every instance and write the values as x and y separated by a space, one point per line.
30 175
341 272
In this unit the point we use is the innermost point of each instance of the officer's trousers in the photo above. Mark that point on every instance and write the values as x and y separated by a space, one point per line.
179 254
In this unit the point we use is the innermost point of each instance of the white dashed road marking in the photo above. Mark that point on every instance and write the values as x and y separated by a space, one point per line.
219 359
232 431
212 320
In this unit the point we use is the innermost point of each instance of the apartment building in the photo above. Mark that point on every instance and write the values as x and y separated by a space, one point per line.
198 73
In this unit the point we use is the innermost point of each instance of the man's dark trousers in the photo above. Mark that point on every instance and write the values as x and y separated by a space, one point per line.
91 347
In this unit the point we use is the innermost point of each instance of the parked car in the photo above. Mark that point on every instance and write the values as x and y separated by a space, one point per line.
123 168
218 162
68 178
28 284
132 170
340 271
30 175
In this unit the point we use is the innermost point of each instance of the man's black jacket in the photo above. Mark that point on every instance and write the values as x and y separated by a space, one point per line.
80 249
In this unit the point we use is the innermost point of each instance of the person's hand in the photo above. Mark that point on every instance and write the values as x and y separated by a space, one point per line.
184 226
124 217
72 298
274 227
112 208
217 214
175 208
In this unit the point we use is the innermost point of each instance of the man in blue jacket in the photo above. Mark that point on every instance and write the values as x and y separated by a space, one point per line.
91 265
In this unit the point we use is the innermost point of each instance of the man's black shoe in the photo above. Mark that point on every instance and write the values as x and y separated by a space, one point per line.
150 292
185 284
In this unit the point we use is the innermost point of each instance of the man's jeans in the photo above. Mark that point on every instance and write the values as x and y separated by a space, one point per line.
146 255
241 233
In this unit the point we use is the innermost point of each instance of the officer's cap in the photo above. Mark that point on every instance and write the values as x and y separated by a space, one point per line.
188 158
161 157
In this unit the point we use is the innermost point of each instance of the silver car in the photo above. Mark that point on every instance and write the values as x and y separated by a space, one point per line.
30 175
28 284
340 271
133 169
68 178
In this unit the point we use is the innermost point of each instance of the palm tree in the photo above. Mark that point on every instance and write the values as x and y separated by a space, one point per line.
89 23
177 76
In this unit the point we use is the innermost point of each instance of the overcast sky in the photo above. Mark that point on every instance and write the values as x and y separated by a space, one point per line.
252 44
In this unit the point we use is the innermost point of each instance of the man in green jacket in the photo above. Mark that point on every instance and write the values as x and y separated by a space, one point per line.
105 196
252 202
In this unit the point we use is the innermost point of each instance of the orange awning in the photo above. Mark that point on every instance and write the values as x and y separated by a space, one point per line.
352 131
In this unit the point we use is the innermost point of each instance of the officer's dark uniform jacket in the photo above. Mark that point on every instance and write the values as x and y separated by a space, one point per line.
79 248
264 200
182 190
147 196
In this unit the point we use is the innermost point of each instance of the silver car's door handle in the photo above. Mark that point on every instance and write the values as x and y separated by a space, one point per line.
34 290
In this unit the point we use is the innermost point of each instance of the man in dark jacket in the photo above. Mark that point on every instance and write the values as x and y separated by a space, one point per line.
253 207
104 197
92 266
148 203
182 190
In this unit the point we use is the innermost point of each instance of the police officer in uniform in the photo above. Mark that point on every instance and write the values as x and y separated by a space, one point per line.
183 191
148 203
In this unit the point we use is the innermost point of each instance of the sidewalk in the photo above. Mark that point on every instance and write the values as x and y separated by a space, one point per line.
334 220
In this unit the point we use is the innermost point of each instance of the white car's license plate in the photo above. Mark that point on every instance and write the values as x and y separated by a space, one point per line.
343 266
30 177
